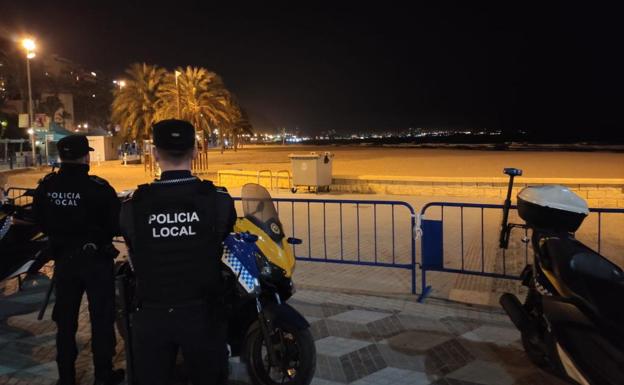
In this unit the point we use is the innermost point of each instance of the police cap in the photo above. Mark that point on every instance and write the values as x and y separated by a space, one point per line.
73 147
174 135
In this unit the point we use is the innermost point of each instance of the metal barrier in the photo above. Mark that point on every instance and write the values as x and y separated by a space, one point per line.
355 232
260 172
479 255
19 196
288 179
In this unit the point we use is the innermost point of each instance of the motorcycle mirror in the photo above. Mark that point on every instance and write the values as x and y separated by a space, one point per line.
512 171
294 241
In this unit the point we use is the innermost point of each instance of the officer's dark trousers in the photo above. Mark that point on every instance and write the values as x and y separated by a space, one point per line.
198 331
73 277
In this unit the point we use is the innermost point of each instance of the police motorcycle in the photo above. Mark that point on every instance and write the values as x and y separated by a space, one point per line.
21 241
572 319
271 338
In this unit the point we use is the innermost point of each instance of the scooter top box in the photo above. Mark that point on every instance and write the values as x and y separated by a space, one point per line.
552 207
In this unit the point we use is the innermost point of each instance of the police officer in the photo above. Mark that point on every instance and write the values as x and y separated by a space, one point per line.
79 213
174 228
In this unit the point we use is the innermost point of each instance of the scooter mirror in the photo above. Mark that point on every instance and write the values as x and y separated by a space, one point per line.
513 171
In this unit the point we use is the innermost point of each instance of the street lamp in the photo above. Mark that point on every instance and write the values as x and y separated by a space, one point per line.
178 73
29 46
119 83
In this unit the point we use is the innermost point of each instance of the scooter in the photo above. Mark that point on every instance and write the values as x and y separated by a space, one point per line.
269 336
572 319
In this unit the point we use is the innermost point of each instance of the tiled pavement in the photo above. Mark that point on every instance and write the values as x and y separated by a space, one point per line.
360 340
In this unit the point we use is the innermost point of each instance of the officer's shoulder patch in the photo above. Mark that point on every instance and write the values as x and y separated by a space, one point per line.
48 177
98 180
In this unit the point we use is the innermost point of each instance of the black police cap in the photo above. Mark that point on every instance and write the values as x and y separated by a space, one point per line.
174 135
73 147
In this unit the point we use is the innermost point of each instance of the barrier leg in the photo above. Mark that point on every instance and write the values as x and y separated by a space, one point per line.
425 290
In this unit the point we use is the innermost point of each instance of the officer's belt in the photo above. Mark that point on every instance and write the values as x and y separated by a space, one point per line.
75 250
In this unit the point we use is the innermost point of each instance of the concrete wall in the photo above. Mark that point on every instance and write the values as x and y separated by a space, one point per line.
597 192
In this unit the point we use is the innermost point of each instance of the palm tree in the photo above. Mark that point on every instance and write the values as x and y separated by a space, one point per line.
135 105
237 123
199 93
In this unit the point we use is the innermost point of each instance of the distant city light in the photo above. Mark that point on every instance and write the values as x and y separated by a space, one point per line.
30 55
30 131
93 73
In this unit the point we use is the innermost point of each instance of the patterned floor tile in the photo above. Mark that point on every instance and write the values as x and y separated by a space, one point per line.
385 328
416 341
447 357
493 334
401 360
483 372
411 322
394 376
308 310
331 309
348 330
319 329
338 346
361 363
360 316
510 355
359 340
458 325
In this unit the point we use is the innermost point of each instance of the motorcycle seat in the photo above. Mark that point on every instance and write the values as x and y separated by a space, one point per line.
596 266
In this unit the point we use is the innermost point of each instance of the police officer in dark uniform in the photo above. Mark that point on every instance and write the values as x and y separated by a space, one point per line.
174 228
79 213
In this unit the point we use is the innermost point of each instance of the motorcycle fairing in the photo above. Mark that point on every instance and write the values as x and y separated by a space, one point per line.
280 254
285 316
239 256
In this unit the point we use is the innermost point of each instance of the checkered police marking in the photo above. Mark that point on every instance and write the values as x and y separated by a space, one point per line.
6 226
246 280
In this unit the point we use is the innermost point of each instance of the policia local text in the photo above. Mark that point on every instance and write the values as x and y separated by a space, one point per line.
173 218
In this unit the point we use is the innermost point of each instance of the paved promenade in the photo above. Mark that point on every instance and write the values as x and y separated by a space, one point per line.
360 339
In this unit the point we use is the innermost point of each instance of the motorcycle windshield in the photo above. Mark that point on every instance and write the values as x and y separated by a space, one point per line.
259 209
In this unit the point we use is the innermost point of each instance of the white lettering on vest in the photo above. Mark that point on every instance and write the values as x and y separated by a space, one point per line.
64 198
172 218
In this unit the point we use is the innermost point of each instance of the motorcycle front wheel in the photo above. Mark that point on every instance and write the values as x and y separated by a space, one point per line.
295 351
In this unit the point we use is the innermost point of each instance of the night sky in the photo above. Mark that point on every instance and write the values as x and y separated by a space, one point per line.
546 66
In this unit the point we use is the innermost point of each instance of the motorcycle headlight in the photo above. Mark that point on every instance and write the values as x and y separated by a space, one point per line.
268 270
